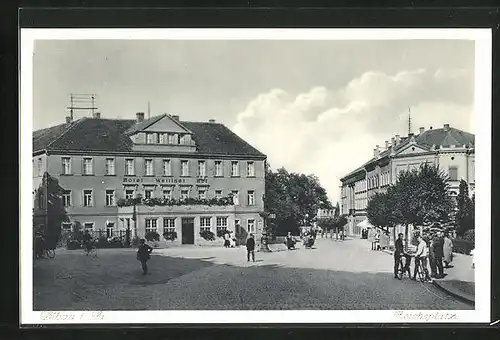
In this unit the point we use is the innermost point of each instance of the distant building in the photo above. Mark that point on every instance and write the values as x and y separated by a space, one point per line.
449 148
101 161
325 213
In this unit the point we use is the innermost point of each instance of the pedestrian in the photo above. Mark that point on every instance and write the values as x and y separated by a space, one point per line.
143 255
398 253
447 250
421 257
250 248
436 252
227 243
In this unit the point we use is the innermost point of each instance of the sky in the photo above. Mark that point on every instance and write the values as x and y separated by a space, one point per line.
315 107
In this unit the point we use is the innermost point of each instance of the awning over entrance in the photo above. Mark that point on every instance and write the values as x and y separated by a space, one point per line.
365 224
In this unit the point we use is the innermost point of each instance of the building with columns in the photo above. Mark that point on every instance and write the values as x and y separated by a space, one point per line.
100 162
449 148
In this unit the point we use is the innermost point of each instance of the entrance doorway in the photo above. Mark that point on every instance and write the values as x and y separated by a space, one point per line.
188 230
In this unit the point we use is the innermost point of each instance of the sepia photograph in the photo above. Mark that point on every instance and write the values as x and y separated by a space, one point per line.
240 172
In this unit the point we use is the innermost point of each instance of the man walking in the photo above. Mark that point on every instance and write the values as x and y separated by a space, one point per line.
398 253
250 248
143 255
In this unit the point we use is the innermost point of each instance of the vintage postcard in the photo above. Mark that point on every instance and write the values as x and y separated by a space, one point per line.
255 176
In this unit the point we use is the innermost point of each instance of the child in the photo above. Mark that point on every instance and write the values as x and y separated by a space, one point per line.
143 255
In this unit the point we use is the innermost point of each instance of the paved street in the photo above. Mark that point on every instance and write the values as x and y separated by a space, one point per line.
335 275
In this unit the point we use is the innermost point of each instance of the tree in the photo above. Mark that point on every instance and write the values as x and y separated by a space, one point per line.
464 218
50 206
379 210
337 210
294 199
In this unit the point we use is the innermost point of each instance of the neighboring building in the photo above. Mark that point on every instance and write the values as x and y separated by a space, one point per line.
449 148
325 213
99 161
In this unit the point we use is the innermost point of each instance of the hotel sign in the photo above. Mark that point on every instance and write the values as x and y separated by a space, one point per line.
162 180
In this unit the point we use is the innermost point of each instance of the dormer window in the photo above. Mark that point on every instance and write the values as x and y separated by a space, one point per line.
172 138
151 138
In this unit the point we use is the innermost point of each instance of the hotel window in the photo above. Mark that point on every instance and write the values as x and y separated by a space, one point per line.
235 169
151 225
167 167
87 198
218 168
168 225
129 167
184 194
201 169
110 228
250 169
129 194
221 223
87 166
202 194
148 193
40 167
167 194
251 226
66 198
151 138
88 226
148 164
66 165
205 223
110 198
66 226
236 197
184 168
110 166
218 194
453 173
251 197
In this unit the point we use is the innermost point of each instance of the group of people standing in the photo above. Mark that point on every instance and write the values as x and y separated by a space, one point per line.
437 249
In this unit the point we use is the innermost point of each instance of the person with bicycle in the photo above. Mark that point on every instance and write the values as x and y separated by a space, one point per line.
421 258
87 242
398 254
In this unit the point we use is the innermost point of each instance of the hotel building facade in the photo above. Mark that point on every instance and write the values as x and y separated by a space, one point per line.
452 150
98 162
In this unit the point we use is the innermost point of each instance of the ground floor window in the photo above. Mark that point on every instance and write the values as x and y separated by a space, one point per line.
168 225
205 223
88 226
129 194
110 228
251 226
66 226
151 225
221 223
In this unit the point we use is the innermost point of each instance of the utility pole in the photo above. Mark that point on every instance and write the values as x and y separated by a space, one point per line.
409 121
149 110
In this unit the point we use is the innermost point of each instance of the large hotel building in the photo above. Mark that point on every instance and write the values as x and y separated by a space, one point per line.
449 148
99 161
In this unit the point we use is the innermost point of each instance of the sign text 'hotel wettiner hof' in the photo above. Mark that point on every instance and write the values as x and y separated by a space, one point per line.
160 180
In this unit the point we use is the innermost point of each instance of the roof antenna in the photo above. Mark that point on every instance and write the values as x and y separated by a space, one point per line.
409 121
149 110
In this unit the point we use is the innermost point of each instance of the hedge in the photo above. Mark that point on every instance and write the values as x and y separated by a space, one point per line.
462 246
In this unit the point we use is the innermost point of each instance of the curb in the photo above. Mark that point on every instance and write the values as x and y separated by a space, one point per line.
454 293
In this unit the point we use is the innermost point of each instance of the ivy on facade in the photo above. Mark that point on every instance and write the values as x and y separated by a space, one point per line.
224 201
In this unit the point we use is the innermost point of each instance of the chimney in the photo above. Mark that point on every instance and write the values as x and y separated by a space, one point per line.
387 145
393 141
96 115
446 127
68 119
175 117
376 152
140 116
422 129
211 120
430 128
398 139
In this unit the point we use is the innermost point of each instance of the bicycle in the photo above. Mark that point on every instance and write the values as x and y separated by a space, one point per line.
421 273
402 267
92 251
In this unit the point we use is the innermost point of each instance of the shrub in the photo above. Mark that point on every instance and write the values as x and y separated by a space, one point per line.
170 235
469 235
462 246
152 236
222 232
207 235
73 245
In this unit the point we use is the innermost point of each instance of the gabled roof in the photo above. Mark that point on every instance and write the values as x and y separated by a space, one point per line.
437 137
144 124
89 134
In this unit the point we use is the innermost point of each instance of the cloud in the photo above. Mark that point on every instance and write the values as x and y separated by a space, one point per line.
330 132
